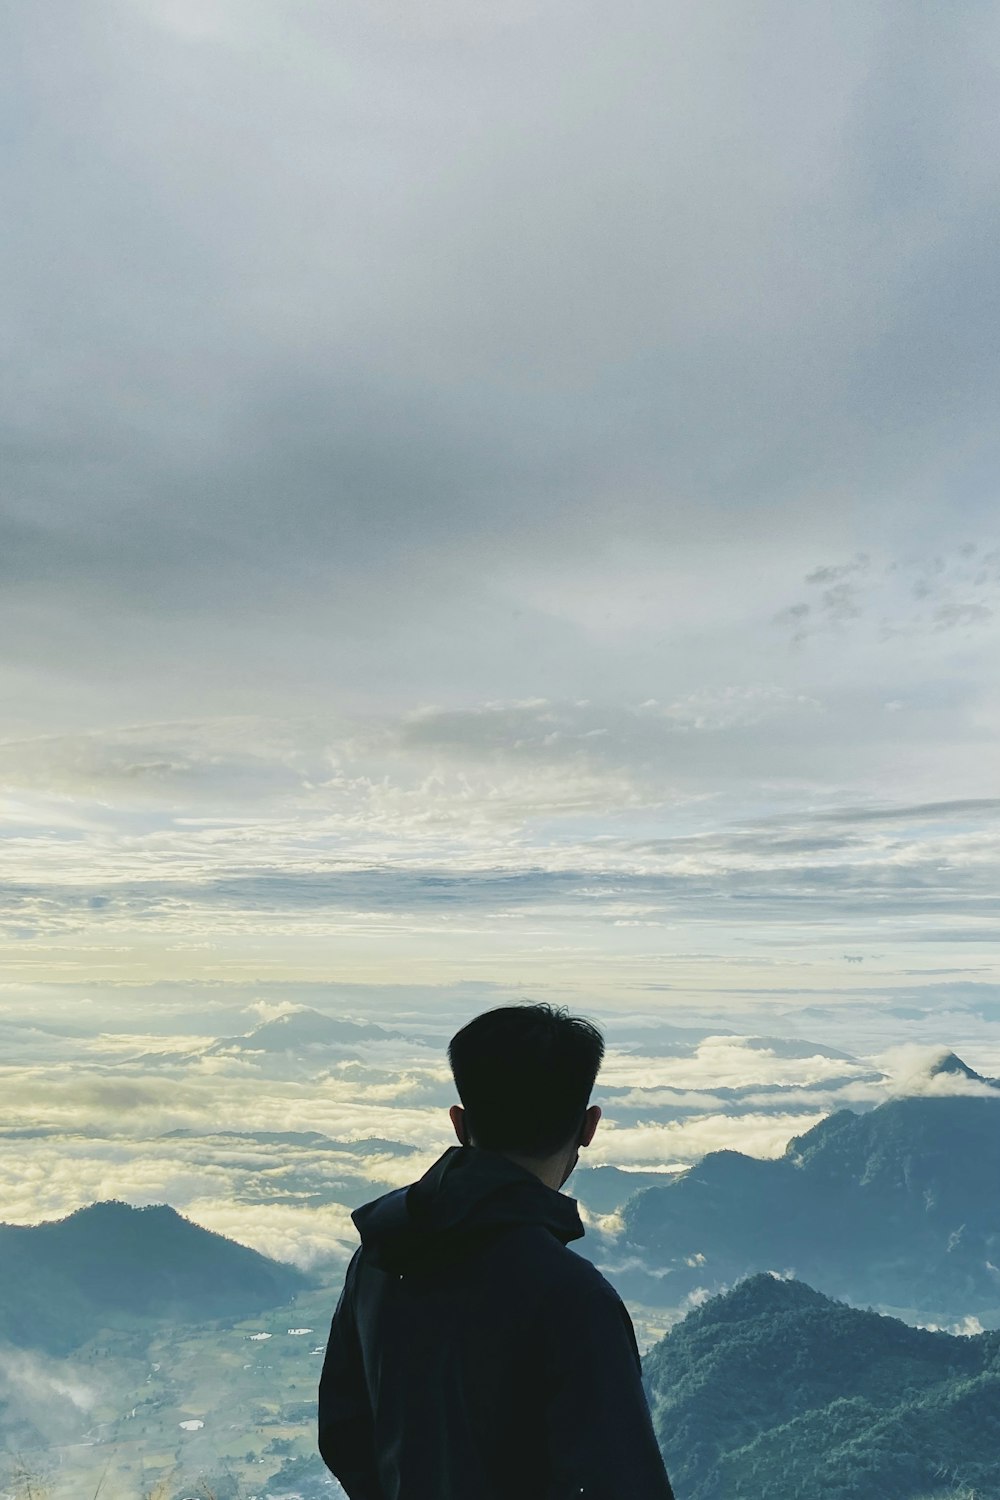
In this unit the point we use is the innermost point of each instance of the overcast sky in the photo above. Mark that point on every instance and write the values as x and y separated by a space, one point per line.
500 494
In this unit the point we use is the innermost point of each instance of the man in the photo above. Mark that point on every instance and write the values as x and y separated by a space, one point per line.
472 1356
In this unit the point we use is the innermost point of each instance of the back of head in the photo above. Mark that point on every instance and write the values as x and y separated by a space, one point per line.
524 1075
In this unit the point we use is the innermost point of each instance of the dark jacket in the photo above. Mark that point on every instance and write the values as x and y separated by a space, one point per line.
472 1356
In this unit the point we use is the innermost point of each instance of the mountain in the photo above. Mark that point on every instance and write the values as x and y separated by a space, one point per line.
953 1066
299 1037
774 1392
298 1029
685 1042
111 1266
303 1169
604 1189
899 1206
312 1140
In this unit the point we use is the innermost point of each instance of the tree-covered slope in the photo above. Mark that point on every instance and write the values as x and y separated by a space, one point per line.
899 1207
111 1265
775 1392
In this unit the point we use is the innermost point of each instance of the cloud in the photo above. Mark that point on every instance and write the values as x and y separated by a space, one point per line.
285 1197
311 1238
908 597
944 812
619 1265
268 443
278 1162
270 1010
333 867
46 1400
438 836
911 1067
721 1062
684 1142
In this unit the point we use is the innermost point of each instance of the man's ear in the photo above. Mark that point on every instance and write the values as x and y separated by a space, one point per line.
457 1116
590 1120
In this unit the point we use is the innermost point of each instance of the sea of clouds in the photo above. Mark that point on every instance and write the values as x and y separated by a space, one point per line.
275 1148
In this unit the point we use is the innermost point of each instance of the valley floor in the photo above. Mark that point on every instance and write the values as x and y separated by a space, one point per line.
214 1411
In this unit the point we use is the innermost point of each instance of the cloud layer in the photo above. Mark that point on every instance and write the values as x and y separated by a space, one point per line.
397 358
276 1149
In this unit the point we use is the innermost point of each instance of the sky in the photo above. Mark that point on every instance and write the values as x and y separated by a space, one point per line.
499 503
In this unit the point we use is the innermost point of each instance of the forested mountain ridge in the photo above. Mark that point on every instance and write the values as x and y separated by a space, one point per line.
775 1392
111 1265
899 1207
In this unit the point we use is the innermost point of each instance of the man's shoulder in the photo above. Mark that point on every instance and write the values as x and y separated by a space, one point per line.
565 1272
582 1316
515 1259
583 1277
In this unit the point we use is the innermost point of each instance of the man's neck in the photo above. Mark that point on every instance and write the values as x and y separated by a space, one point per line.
552 1170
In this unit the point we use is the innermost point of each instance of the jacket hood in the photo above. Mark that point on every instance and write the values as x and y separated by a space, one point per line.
467 1197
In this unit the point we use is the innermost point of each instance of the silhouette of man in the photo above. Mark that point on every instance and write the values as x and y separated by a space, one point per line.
472 1356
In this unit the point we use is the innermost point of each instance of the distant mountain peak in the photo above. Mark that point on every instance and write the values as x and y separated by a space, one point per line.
308 1024
302 1027
950 1062
111 1210
764 1291
936 1071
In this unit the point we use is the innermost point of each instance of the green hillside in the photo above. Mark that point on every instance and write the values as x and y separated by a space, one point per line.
114 1266
775 1392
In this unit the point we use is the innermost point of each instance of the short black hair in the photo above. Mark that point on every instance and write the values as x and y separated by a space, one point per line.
524 1075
